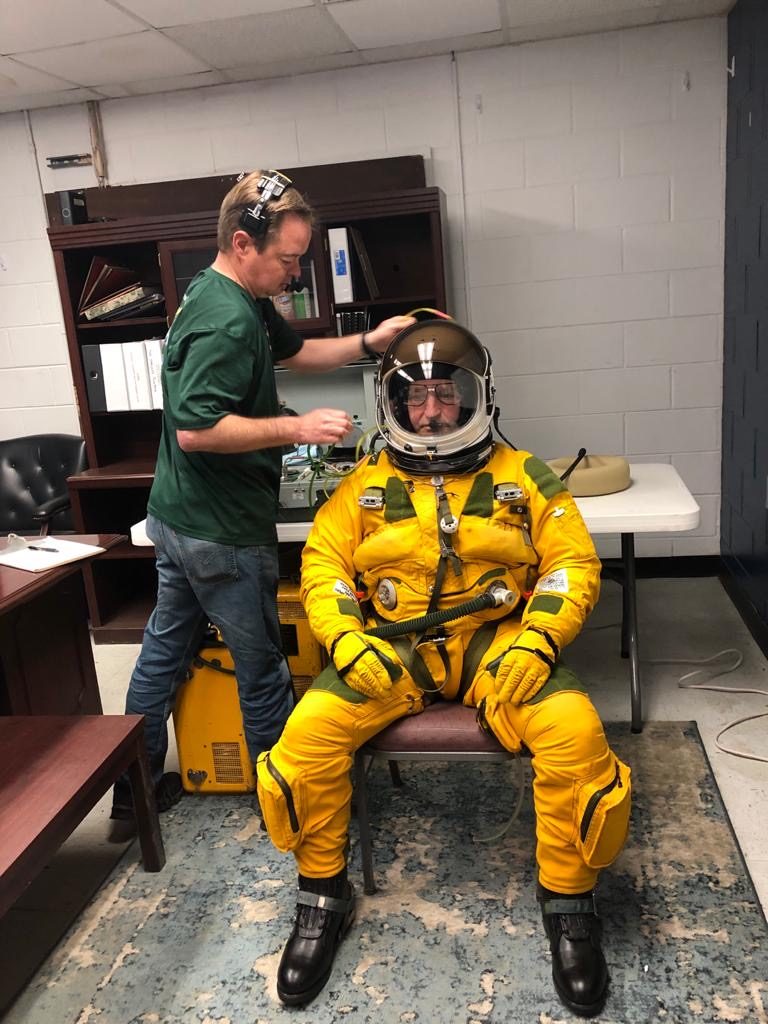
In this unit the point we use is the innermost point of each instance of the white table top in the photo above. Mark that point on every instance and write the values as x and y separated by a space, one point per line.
656 501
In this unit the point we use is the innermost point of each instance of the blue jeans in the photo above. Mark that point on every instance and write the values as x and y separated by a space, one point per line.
235 588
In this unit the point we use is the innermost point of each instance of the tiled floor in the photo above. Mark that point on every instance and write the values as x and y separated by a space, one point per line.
679 619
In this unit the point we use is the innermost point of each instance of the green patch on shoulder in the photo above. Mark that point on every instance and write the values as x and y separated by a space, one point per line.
548 482
397 501
330 681
349 607
480 499
549 603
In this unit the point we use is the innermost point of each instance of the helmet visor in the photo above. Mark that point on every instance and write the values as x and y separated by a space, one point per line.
434 405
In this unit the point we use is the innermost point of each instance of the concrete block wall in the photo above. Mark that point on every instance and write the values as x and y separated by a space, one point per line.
584 180
593 174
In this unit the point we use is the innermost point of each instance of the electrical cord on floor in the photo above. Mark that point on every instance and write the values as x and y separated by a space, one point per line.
500 833
684 684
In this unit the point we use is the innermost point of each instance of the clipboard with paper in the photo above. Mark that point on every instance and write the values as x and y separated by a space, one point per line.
36 554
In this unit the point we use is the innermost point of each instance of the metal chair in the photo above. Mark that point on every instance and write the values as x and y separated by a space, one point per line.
444 731
33 482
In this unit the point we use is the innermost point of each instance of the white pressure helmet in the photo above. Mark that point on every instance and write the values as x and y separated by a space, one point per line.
441 427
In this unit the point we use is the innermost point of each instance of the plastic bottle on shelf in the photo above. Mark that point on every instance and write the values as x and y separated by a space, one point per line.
302 304
283 303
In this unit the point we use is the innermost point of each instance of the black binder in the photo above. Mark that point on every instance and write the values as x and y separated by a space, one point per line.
94 378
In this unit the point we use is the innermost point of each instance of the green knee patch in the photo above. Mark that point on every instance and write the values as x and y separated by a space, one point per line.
330 681
561 678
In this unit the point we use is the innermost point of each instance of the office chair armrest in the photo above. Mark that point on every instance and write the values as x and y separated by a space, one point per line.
45 512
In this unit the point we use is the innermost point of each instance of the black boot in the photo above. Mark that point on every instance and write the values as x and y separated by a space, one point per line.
325 910
168 791
579 970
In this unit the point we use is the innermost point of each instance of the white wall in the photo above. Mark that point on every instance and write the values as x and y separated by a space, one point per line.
585 182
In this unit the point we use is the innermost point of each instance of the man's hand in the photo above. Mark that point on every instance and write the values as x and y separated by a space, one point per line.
322 426
379 337
522 672
366 663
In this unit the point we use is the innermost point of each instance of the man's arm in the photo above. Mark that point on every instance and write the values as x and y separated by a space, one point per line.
319 354
245 434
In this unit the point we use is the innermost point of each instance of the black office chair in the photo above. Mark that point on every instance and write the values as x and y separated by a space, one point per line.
33 482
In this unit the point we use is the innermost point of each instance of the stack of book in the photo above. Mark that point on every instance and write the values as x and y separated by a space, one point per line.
113 292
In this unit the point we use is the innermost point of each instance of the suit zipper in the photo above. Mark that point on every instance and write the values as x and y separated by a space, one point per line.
286 791
594 800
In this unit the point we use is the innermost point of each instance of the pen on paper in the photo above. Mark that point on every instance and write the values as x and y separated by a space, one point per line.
35 547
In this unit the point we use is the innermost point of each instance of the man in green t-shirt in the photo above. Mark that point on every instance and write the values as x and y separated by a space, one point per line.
213 505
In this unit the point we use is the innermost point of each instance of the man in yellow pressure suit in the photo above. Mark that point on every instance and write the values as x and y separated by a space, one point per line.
443 514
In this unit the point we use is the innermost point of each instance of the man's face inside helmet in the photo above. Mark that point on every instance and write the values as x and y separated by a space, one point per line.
433 406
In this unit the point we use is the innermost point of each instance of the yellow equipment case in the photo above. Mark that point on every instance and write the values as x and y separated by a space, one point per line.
213 754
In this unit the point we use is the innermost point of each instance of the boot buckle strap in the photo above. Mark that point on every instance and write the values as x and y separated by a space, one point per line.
314 899
583 906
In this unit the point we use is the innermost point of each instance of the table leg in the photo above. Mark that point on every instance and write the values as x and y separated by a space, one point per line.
629 641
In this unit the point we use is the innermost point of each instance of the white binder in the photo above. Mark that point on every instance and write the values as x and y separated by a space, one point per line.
341 271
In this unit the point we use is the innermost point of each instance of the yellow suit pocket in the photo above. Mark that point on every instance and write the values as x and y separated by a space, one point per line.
602 818
283 804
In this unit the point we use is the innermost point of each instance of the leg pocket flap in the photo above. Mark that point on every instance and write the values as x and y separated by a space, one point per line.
283 804
603 818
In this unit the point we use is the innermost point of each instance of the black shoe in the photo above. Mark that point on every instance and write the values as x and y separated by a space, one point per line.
579 970
305 966
168 792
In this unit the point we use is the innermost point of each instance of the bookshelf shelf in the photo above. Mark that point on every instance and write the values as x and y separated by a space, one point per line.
138 321
163 245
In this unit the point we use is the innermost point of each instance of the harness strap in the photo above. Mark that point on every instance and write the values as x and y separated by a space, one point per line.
582 906
476 648
313 899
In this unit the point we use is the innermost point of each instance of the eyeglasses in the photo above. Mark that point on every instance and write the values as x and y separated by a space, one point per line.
446 394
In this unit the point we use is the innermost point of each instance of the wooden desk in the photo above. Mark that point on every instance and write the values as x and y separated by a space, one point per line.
46 659
53 771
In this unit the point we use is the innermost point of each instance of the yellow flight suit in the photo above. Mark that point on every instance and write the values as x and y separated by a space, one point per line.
513 521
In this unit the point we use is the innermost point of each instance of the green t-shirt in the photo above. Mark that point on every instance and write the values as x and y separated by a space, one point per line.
218 359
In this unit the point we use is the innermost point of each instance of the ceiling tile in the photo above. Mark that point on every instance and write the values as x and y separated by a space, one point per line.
174 82
237 42
16 78
39 24
371 23
299 66
432 47
162 13
539 12
123 59
33 101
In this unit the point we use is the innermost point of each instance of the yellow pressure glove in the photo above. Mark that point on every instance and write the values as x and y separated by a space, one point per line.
366 663
526 667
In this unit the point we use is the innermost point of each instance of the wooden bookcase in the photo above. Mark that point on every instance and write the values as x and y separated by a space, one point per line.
402 232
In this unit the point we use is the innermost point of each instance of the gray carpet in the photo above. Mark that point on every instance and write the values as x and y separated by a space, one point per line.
453 933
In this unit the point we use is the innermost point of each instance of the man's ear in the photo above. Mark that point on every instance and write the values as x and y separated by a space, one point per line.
241 243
